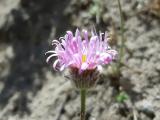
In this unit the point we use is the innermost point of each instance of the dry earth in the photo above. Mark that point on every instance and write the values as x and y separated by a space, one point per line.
31 90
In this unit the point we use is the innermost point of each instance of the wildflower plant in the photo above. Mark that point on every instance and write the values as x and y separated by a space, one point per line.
83 56
115 71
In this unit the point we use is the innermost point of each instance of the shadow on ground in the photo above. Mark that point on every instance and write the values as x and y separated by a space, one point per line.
32 25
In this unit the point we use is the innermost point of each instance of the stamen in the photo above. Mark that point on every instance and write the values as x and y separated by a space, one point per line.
84 58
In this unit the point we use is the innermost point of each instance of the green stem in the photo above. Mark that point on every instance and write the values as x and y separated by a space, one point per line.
83 103
122 34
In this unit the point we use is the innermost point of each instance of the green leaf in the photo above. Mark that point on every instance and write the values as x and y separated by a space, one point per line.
121 97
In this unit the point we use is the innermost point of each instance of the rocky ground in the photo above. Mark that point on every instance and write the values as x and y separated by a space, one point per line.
31 90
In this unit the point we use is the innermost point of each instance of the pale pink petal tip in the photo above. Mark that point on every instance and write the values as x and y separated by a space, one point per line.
81 51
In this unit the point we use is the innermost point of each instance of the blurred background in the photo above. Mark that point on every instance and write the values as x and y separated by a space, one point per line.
31 90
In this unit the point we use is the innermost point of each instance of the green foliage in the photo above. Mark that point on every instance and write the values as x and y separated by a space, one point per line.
96 9
121 97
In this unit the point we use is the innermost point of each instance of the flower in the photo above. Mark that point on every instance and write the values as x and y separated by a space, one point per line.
81 53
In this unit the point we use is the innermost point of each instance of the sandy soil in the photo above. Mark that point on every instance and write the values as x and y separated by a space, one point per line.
31 90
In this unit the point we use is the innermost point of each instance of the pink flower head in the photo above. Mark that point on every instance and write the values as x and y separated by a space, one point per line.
81 51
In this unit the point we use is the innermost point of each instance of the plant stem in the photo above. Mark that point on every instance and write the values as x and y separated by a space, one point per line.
122 34
83 103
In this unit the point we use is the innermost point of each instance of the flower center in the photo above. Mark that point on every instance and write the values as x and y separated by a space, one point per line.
84 57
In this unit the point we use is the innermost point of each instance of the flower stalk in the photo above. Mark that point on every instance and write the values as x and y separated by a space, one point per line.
122 34
83 103
116 73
